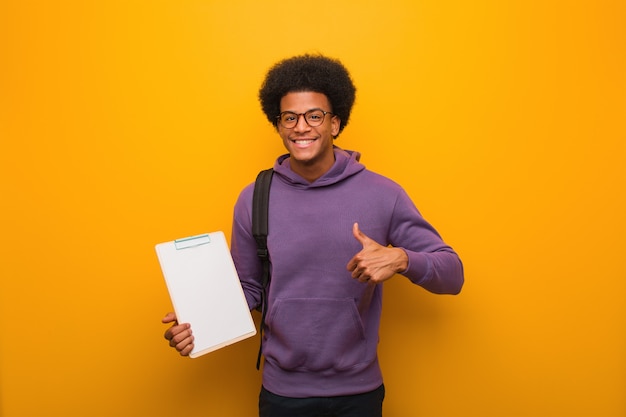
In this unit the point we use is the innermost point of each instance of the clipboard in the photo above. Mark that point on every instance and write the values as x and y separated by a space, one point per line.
205 290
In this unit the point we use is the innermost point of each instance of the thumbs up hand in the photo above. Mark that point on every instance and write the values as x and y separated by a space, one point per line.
375 263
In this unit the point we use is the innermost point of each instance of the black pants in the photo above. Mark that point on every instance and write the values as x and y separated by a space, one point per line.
369 404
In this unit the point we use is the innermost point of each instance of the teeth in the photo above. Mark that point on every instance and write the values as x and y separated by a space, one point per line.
303 142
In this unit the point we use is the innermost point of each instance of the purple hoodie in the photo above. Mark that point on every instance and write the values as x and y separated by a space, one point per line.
322 326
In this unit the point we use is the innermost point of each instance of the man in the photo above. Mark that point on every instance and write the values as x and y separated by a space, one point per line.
337 231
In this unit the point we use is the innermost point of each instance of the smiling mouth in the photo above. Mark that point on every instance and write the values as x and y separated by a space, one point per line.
302 141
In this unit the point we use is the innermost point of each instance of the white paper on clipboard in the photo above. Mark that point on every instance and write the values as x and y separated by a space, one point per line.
205 290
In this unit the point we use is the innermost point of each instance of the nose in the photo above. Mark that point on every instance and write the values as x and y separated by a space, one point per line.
301 124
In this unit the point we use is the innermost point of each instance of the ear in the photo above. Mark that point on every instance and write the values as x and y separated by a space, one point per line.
335 124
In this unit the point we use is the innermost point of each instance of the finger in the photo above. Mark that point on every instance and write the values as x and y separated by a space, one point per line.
169 317
178 336
176 330
351 265
361 275
355 273
359 235
187 350
185 346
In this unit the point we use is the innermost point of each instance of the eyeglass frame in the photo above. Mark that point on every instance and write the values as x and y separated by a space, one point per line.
324 113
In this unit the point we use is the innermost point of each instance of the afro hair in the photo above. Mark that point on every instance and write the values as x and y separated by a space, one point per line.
312 73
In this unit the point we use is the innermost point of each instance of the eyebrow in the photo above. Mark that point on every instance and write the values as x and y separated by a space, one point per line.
294 112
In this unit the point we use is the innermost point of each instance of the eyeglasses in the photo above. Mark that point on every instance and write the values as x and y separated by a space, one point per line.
313 117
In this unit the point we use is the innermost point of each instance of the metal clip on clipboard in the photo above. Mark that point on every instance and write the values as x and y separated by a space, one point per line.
191 241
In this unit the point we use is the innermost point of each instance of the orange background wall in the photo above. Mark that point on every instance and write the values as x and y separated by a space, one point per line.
124 124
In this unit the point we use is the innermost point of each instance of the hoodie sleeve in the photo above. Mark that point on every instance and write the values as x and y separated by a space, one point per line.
243 249
433 264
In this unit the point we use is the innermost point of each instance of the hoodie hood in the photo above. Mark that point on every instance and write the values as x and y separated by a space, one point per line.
346 164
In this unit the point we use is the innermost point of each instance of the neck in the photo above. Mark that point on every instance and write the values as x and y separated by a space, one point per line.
311 172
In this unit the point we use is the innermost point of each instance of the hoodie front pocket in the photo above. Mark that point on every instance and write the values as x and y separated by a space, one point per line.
315 334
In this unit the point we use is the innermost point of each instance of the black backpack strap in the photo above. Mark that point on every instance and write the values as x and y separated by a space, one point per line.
260 207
